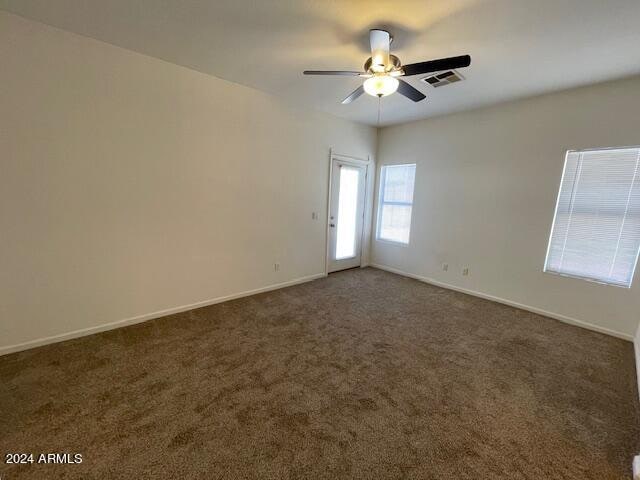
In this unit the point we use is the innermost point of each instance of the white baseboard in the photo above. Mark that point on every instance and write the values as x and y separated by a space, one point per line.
149 316
539 311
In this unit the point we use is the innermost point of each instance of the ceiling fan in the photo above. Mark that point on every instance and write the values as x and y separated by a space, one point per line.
382 70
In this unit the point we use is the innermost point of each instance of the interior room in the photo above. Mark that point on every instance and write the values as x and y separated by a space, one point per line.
319 239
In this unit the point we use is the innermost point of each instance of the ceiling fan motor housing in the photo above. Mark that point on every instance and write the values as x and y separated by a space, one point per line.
394 65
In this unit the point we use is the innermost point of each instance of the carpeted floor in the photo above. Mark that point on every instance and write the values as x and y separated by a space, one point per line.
364 374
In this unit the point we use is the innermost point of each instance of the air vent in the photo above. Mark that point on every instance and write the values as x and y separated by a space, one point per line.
443 78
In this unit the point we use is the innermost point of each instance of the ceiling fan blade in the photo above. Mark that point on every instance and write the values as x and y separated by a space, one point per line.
437 65
332 72
410 92
355 94
380 41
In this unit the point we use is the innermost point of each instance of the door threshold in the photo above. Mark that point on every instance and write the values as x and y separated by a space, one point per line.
345 269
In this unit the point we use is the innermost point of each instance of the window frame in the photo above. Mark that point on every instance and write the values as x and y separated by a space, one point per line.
381 203
598 281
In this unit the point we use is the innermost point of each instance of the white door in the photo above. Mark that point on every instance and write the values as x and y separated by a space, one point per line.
346 214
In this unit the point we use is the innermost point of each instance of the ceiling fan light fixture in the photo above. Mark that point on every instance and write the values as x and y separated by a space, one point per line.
383 70
381 85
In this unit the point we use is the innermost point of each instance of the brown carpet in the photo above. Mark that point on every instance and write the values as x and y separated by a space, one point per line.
364 374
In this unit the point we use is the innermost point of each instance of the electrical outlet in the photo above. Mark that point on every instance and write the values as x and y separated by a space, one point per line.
465 271
276 267
445 267
314 215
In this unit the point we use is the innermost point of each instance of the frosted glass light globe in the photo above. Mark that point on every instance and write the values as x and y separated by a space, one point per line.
380 85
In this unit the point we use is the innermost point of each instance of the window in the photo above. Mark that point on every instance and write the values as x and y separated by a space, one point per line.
596 227
396 201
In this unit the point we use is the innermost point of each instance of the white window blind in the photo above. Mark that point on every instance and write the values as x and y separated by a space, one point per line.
396 202
596 227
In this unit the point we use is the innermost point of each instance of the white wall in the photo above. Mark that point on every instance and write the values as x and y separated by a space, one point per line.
129 185
636 350
486 186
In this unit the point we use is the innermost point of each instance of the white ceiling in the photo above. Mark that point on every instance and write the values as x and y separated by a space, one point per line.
519 47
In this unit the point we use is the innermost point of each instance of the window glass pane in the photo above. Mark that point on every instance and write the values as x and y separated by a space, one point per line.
398 185
396 199
395 223
596 229
347 212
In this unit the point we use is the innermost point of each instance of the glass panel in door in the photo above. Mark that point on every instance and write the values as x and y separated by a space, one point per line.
347 212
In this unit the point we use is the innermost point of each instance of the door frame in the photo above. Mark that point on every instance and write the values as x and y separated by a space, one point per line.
359 162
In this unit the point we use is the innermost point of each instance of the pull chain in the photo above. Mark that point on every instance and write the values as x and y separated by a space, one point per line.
379 98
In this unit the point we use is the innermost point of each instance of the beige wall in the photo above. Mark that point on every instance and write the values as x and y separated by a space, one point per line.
486 186
129 185
636 349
